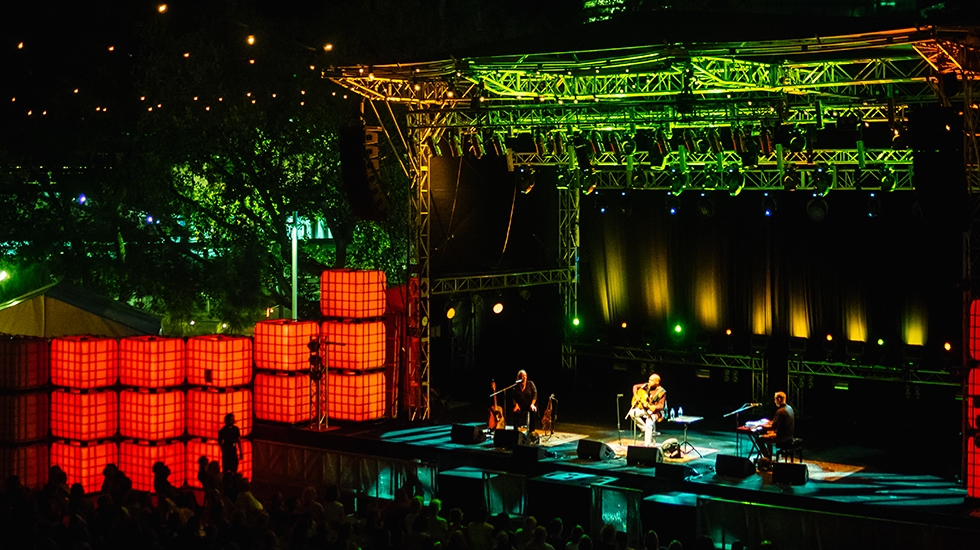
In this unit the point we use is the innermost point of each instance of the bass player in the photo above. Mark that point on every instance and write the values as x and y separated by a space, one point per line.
648 406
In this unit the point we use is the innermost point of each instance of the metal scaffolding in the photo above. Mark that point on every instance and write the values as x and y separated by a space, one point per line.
750 87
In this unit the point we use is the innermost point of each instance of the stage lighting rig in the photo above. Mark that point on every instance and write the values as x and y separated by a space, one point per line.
797 140
706 207
734 180
817 209
673 205
791 178
888 179
768 205
823 179
678 181
525 179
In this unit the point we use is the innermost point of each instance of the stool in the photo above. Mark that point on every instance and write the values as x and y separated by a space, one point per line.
791 451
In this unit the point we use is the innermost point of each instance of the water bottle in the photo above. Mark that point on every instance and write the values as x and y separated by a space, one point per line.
672 415
680 411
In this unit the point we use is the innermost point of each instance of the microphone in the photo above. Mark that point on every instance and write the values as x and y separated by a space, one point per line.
619 395
756 404
518 381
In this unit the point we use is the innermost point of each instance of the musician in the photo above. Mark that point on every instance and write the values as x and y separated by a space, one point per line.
525 396
780 429
648 406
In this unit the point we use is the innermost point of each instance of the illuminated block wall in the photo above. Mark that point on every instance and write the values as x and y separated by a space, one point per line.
282 398
206 410
151 414
219 361
28 462
24 417
84 362
84 415
973 444
151 361
352 294
364 345
209 448
356 397
84 462
283 344
136 459
25 362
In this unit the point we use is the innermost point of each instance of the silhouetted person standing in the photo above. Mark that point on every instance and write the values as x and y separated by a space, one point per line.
229 437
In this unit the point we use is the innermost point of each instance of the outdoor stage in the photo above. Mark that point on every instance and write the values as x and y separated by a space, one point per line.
683 497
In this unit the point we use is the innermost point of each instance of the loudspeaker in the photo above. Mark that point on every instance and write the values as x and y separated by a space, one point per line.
467 434
594 450
674 472
360 169
790 473
733 466
509 438
529 453
643 456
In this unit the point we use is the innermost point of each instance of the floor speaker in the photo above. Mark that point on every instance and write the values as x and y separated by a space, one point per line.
790 473
674 472
594 450
467 434
643 456
529 453
509 438
733 466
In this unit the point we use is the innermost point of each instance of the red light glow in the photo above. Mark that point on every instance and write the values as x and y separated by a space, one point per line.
206 410
26 363
84 462
364 345
83 362
356 397
84 415
220 361
281 344
153 415
352 294
136 459
282 398
151 362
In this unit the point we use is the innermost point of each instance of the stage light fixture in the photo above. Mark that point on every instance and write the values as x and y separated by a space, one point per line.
817 209
797 140
629 145
714 141
829 347
758 343
874 206
576 322
768 205
765 141
888 179
854 350
734 180
823 179
450 312
706 207
791 178
912 354
434 149
899 143
797 346
678 181
589 182
541 144
455 144
525 179
498 307
673 205
476 145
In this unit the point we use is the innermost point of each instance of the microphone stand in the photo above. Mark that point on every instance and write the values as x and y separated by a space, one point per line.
505 389
619 429
743 408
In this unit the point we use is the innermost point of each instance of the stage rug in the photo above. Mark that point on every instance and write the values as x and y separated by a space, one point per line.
559 438
828 471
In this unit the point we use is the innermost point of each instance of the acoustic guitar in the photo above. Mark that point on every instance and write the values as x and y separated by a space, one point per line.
546 418
496 412
652 403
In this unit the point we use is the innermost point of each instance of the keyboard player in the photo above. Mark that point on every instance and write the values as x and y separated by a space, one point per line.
779 432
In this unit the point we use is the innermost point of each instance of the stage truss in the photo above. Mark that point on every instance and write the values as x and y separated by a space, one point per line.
608 99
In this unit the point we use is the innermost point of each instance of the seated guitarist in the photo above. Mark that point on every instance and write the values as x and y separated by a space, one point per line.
648 406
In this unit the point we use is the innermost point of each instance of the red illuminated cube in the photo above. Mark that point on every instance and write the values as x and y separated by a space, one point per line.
84 362
151 361
25 362
84 461
136 460
206 410
284 345
363 345
352 294
282 398
151 414
24 417
84 415
219 361
356 396
196 448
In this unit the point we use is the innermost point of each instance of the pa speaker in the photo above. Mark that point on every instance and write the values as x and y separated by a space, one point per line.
467 434
529 453
595 450
674 472
790 473
733 466
643 456
509 438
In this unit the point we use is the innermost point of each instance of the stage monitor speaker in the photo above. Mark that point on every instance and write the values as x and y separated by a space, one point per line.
643 456
529 453
733 466
467 434
594 450
509 438
674 472
790 473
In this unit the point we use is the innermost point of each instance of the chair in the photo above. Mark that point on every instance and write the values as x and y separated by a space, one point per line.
636 427
791 451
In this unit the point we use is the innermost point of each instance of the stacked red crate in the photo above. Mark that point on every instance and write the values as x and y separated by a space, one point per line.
152 409
25 367
221 369
282 357
84 407
356 343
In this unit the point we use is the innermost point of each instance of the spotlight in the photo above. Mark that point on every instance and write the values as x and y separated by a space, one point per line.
824 179
450 312
498 307
768 205
797 140
899 143
714 141
734 180
829 347
706 207
874 206
678 181
525 179
673 205
816 209
476 145
791 178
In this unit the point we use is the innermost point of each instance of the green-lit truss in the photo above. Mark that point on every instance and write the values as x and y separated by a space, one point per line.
745 87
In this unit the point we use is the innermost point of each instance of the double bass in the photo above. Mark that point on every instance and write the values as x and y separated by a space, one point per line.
546 418
496 421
